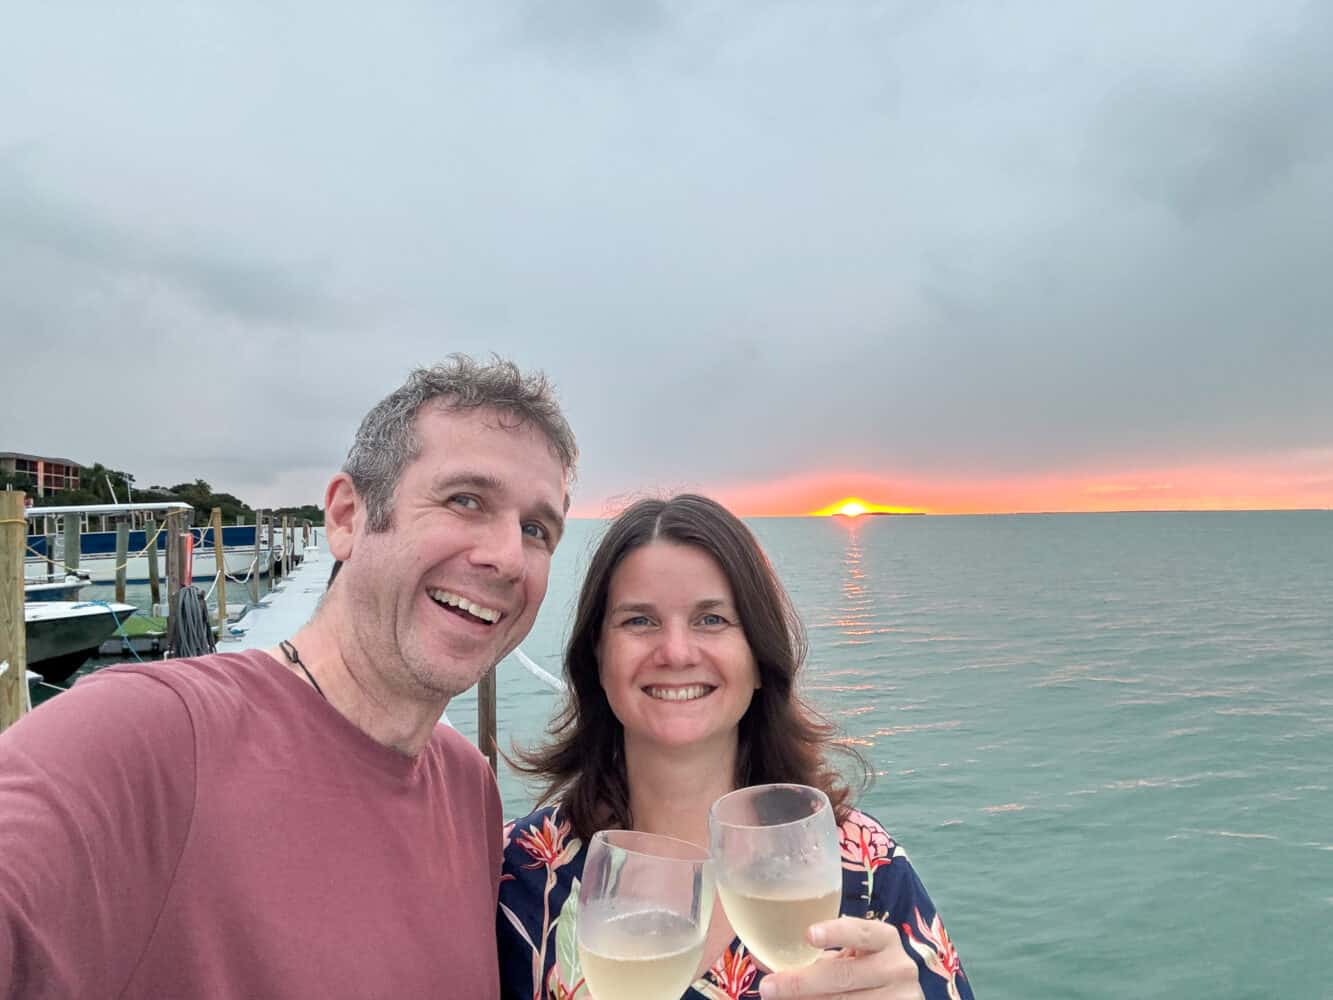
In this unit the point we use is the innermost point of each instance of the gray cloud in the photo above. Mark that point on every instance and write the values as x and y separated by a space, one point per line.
746 240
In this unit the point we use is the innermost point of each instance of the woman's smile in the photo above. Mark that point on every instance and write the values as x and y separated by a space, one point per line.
679 692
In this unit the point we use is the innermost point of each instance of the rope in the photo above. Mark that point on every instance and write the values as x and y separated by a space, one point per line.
191 635
120 626
550 680
119 566
248 573
27 694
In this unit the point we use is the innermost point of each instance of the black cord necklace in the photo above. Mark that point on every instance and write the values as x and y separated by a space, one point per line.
290 652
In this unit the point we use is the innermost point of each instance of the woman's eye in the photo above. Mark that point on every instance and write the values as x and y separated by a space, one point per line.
711 619
637 621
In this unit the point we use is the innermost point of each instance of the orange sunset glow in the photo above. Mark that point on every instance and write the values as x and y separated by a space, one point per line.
1290 481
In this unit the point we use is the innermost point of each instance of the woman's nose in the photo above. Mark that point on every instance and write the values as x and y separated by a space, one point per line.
676 647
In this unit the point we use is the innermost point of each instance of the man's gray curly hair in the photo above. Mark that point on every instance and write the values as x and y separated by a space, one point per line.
387 442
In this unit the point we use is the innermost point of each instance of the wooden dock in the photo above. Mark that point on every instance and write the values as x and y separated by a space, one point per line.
288 606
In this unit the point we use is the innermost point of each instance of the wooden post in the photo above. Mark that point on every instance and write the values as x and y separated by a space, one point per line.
13 639
150 536
71 542
254 566
175 572
50 554
272 566
486 716
286 547
122 557
221 558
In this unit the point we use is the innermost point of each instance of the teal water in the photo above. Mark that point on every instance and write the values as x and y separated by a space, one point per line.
1106 741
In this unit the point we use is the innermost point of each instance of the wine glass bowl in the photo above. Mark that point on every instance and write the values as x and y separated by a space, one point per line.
644 906
778 868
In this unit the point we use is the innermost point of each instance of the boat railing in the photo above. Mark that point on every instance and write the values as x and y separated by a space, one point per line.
549 679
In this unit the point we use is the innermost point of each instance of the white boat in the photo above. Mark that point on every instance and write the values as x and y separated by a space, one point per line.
54 587
61 635
97 549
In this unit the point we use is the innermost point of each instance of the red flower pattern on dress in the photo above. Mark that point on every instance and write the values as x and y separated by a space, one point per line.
548 846
936 950
734 972
865 844
866 847
556 988
552 848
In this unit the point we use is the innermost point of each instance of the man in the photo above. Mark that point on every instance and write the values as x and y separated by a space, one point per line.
294 822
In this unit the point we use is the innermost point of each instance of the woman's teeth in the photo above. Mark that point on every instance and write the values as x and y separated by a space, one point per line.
488 615
687 693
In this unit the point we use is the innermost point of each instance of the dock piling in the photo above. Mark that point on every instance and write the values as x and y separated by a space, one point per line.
175 575
122 557
486 742
13 639
254 566
71 543
154 582
221 560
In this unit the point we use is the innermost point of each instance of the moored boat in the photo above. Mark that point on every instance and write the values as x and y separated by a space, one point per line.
61 635
54 587
97 549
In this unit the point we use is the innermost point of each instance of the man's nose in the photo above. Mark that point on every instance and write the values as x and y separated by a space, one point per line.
499 546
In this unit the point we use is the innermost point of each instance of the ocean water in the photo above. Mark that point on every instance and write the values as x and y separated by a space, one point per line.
1106 741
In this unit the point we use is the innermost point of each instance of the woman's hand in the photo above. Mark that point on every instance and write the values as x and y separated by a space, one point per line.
870 966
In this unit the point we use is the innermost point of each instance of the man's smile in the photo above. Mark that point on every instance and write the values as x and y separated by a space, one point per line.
464 607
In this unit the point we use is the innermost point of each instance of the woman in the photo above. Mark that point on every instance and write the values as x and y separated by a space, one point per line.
682 666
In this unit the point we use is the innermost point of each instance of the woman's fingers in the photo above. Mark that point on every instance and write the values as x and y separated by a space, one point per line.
871 965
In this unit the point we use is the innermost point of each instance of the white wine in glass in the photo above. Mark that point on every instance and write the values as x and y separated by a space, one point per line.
644 906
779 869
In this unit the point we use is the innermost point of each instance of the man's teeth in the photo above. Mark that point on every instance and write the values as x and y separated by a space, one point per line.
687 693
463 604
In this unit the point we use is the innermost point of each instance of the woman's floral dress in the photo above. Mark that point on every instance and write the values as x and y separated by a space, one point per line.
539 899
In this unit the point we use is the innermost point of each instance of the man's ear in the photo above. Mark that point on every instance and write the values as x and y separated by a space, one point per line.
343 515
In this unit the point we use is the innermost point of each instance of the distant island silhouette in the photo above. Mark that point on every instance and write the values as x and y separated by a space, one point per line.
883 513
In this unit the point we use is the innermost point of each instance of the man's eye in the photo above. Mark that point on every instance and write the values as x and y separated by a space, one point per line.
534 530
465 500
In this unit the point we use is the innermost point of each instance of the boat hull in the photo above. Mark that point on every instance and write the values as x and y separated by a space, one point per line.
61 635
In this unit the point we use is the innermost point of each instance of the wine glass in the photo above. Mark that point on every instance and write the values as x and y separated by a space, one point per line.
644 906
779 868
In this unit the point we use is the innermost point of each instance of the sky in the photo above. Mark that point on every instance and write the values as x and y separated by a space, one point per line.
951 257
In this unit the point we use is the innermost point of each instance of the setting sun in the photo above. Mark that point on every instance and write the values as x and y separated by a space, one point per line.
855 507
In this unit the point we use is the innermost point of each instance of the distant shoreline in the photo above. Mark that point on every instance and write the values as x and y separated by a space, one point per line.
1057 513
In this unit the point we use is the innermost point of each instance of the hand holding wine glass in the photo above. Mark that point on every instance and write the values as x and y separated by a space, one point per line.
644 906
870 963
779 874
778 868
